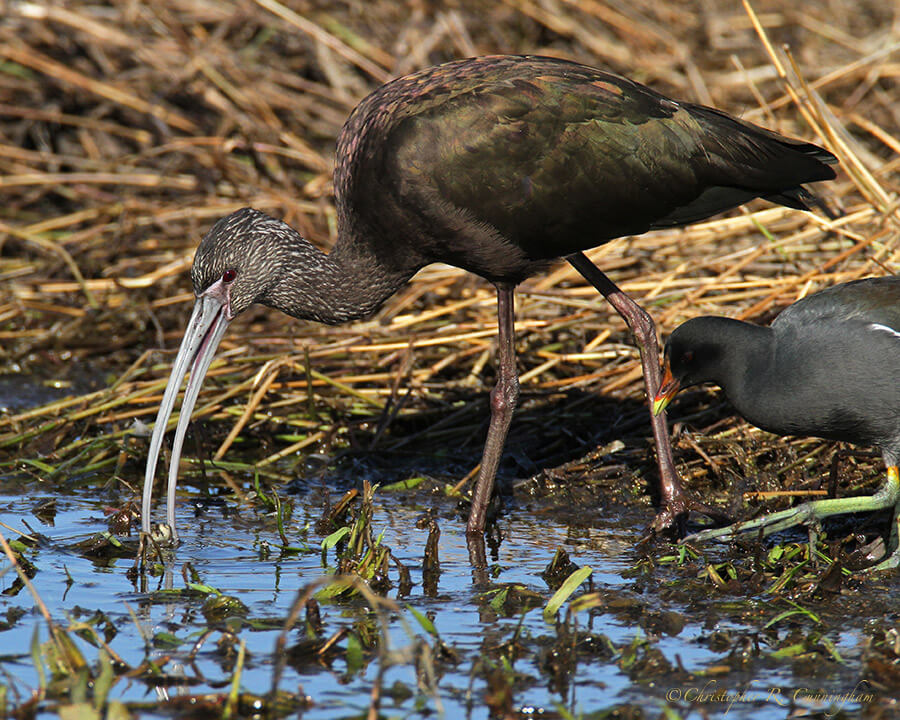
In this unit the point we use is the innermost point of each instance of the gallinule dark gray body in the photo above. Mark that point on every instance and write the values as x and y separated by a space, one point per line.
828 366
498 165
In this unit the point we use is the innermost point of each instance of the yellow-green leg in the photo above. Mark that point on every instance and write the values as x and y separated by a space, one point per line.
892 560
888 496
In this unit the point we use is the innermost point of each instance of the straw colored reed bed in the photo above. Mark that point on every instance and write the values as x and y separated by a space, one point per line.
127 128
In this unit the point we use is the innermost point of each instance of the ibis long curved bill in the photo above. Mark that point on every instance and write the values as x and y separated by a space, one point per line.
205 329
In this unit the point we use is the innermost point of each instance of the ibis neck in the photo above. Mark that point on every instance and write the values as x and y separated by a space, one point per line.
350 283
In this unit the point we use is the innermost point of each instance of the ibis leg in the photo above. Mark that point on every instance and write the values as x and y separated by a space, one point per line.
675 504
504 397
888 496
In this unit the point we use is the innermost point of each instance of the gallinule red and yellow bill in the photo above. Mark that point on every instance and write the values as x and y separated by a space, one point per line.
498 165
828 366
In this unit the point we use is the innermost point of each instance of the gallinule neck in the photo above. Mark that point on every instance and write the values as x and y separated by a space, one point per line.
498 165
828 366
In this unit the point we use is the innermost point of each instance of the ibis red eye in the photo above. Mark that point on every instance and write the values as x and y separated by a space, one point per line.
228 276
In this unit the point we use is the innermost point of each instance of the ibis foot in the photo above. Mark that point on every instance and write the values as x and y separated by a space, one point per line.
673 517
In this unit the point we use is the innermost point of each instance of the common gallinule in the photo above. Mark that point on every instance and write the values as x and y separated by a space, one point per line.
498 165
828 366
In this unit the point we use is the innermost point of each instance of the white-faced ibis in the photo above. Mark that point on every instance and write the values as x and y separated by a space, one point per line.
828 366
498 165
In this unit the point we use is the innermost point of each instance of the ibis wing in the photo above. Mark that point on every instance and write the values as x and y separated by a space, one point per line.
555 163
550 157
559 158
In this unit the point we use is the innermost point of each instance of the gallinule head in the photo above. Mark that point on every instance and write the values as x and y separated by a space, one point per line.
828 366
498 165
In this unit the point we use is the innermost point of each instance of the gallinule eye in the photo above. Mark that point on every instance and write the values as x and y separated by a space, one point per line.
828 366
498 165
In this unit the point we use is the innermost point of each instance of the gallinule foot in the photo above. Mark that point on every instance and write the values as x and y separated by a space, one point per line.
828 366
498 165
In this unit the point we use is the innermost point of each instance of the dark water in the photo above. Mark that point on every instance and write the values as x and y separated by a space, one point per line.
694 646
